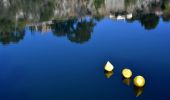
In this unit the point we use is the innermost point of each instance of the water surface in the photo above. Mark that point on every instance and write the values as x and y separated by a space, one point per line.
56 49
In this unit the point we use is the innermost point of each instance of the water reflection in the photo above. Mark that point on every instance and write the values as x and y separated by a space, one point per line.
9 32
76 30
149 21
68 16
108 74
11 37
138 90
126 81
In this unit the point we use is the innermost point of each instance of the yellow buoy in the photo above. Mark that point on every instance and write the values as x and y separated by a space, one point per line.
109 67
127 73
139 81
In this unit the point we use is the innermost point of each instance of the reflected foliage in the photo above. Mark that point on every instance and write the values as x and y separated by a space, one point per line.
82 31
166 11
14 37
9 32
166 18
76 30
62 28
98 3
68 15
149 21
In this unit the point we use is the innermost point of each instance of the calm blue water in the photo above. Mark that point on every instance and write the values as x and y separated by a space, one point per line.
48 67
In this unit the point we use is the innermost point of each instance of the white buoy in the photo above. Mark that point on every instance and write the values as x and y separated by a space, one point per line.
109 67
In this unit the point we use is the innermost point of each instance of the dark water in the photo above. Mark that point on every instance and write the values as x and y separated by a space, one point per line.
46 55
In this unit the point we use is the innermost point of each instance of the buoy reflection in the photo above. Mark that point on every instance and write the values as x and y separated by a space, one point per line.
108 74
126 81
138 91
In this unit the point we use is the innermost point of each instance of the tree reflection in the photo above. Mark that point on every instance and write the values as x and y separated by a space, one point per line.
166 11
62 28
69 16
149 21
82 31
166 17
76 30
9 32
13 37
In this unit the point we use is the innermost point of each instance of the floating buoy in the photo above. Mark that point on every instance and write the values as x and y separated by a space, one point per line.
127 73
108 67
139 81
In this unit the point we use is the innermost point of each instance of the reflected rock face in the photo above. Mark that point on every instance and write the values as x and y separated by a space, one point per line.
69 15
44 10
